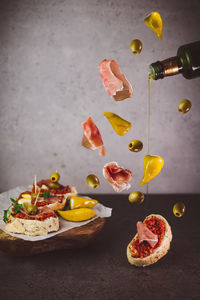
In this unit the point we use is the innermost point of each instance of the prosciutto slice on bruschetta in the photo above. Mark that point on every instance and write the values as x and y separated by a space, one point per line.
118 177
91 137
151 242
145 234
115 83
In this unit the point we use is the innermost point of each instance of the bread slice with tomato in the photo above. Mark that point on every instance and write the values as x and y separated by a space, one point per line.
151 242
42 222
51 197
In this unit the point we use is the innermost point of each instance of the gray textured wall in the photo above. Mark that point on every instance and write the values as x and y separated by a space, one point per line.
49 84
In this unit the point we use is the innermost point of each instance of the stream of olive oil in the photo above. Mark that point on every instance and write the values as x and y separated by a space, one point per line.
149 113
149 124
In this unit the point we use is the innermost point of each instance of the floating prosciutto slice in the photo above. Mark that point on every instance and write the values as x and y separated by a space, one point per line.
91 137
145 234
118 177
115 83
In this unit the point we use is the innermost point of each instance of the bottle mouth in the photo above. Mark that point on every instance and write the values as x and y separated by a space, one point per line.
156 70
151 72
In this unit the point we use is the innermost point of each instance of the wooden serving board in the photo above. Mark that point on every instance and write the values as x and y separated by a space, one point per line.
74 238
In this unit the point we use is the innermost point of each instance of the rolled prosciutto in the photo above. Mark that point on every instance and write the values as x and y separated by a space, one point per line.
118 177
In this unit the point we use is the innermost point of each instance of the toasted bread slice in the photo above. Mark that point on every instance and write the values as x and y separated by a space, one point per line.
32 227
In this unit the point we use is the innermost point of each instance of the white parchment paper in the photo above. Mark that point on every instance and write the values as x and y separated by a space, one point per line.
101 211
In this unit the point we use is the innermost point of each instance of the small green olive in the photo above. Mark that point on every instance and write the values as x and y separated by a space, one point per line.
30 208
55 177
136 197
54 185
179 209
33 195
92 181
135 146
184 106
136 46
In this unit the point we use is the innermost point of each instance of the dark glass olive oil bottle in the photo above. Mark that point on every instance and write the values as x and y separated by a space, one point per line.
186 62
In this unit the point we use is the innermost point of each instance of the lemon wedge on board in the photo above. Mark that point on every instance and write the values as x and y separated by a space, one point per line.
77 214
78 202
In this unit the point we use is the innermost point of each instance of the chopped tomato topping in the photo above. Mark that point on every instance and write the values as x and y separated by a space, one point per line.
41 217
42 203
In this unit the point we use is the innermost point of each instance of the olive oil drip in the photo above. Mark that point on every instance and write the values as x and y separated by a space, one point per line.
149 124
149 113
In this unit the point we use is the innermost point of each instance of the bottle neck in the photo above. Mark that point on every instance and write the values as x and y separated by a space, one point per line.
167 67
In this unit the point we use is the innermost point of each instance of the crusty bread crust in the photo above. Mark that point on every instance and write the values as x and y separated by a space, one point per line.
61 205
158 253
32 227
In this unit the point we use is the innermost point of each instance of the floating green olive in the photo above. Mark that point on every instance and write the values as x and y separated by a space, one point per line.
55 177
179 209
135 146
136 46
92 181
184 106
30 208
136 197
54 185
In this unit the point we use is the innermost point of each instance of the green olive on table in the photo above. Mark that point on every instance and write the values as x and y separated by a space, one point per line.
136 197
179 209
135 146
55 177
54 185
184 106
136 46
92 181
30 208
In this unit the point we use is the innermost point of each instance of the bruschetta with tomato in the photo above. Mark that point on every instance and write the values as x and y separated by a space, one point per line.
151 242
33 212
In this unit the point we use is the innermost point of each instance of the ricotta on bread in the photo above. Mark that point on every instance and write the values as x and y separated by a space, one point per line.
139 251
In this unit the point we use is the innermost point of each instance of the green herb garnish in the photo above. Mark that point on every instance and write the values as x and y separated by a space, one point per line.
45 195
13 200
6 214
16 209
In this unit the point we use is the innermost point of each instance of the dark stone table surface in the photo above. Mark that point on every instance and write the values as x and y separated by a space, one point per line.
101 270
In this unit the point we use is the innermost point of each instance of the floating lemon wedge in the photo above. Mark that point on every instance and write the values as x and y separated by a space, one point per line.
154 22
77 215
119 125
78 202
152 167
24 200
